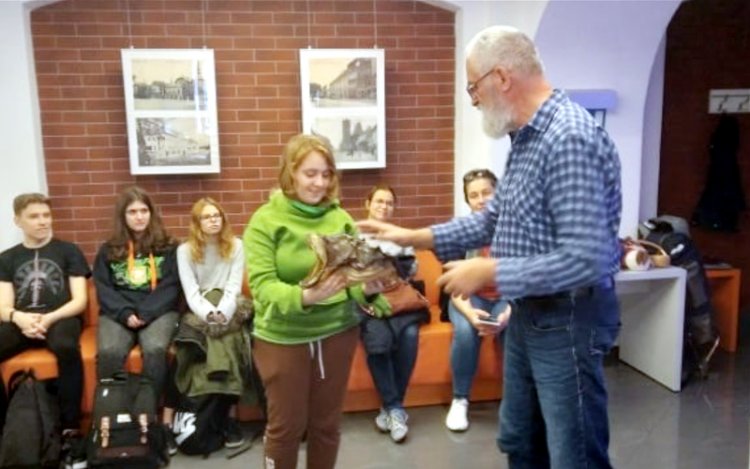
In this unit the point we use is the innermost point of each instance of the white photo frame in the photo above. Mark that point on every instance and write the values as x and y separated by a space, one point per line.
170 104
343 99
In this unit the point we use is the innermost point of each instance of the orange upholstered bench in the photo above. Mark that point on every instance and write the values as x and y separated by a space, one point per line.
44 363
430 383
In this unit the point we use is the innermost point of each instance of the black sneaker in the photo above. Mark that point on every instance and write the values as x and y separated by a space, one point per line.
171 443
233 436
69 438
73 451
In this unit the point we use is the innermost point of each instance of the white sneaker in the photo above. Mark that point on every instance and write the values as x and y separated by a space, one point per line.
457 419
398 418
383 421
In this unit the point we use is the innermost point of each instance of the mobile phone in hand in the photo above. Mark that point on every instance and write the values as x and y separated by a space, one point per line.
489 322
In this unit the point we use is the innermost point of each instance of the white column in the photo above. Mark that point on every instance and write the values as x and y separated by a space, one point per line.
651 156
473 148
21 159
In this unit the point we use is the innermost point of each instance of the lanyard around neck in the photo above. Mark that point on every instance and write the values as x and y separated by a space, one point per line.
151 264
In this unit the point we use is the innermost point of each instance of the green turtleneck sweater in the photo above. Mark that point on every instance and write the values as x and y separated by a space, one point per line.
278 257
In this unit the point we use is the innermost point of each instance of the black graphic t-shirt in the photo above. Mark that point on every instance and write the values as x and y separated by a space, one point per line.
40 276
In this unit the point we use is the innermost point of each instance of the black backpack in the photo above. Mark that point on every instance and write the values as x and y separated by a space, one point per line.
701 336
125 431
31 435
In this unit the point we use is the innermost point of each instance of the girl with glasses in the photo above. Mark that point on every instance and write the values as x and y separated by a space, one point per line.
211 259
211 267
391 342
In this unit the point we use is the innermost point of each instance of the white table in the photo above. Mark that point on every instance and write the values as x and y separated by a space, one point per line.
652 311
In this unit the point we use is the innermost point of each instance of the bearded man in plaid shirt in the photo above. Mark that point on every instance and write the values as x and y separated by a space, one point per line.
553 230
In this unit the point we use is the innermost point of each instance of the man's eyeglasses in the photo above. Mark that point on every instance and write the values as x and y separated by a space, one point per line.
471 87
211 216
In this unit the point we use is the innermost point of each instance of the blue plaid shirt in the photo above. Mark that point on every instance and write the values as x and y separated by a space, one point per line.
553 221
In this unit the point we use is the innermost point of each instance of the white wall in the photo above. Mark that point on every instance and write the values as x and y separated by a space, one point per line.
21 160
473 148
610 45
651 154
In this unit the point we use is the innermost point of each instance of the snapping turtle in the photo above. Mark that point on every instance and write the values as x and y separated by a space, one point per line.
350 256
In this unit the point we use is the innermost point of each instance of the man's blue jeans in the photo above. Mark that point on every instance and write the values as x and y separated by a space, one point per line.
466 343
554 408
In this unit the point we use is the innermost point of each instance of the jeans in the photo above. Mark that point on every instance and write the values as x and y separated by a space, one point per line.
554 408
466 343
63 341
115 340
391 371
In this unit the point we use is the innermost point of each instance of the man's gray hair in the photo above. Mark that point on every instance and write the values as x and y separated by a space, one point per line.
504 46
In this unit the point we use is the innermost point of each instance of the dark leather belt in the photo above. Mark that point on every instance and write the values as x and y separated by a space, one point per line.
576 293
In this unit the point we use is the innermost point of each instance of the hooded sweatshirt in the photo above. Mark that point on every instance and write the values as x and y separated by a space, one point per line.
278 258
120 295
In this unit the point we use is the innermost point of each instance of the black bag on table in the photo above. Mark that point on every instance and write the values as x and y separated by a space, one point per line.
31 434
125 430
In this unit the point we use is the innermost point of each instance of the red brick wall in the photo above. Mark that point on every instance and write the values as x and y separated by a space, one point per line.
77 54
708 44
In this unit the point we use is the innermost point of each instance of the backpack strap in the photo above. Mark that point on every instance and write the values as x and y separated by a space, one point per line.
16 379
42 425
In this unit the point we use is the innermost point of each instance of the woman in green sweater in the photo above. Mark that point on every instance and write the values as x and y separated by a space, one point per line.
304 338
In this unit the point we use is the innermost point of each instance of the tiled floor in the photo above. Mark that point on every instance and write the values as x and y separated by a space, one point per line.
704 426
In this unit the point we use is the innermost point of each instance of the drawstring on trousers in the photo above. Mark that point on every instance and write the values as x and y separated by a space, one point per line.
320 357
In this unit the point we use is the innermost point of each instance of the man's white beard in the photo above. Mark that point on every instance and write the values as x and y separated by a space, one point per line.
497 121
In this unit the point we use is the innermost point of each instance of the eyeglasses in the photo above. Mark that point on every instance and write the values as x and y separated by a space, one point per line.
211 216
471 87
479 174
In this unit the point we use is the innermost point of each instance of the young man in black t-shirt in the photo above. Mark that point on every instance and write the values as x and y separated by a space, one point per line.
42 294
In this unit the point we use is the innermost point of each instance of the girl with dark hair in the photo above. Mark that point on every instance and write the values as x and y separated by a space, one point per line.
137 285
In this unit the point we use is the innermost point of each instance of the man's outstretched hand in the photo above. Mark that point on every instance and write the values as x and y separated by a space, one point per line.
419 238
466 277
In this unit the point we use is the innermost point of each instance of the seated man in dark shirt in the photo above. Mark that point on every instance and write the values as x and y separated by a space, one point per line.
42 294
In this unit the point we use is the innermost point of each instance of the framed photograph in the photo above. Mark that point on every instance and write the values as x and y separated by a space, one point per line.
170 103
343 99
